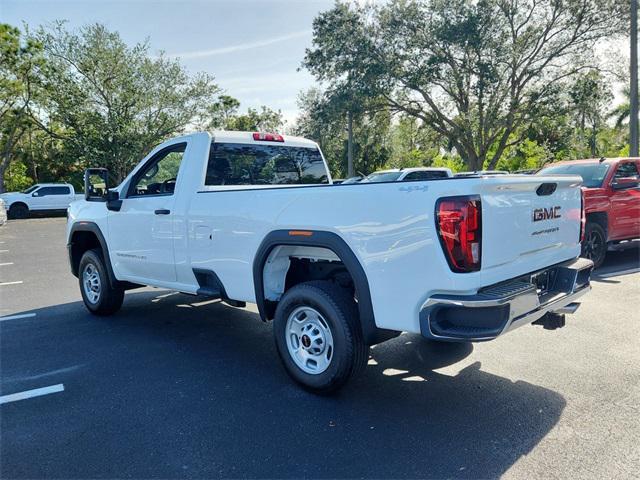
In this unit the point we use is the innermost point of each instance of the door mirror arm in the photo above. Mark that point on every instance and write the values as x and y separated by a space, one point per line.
113 201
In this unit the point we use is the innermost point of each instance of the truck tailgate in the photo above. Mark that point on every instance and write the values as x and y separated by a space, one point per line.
532 220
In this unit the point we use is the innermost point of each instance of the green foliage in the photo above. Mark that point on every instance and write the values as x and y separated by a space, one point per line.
454 162
476 72
263 120
111 103
19 82
16 178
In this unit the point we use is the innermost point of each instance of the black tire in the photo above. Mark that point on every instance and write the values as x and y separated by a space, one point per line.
19 211
338 308
594 245
109 299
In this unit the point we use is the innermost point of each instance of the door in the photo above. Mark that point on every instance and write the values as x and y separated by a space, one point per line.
141 233
51 198
624 221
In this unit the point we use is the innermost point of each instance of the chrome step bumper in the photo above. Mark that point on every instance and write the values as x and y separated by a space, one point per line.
500 308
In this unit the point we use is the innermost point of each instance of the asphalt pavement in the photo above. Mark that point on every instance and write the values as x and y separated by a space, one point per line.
177 387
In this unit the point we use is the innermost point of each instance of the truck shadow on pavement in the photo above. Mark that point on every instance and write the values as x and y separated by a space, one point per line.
618 262
171 388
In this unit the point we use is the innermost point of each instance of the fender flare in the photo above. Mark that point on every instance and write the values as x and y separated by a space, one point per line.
370 332
92 227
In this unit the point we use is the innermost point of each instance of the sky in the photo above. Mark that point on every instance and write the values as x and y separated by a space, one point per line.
253 47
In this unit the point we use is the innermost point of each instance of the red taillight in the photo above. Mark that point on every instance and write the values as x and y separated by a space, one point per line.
583 215
459 223
268 137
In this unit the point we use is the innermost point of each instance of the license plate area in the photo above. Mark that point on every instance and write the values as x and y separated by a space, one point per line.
544 281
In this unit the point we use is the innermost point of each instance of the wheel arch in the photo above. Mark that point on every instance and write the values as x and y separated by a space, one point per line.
86 236
19 203
602 219
329 241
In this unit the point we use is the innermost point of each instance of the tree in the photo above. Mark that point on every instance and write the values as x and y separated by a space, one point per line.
222 112
475 72
263 120
21 60
110 103
323 118
590 97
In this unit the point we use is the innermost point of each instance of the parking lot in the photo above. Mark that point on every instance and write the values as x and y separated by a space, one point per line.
174 386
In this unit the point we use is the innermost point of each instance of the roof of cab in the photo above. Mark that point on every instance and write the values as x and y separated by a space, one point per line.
224 136
414 169
592 160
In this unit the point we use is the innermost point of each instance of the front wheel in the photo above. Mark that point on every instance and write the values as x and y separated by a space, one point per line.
594 245
318 336
98 295
19 211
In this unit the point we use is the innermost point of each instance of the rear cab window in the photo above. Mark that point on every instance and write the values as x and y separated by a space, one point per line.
250 164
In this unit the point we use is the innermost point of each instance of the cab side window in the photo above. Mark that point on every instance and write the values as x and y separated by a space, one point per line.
159 176
424 175
46 191
626 170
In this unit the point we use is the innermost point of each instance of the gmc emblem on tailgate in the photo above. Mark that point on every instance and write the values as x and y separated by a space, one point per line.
546 213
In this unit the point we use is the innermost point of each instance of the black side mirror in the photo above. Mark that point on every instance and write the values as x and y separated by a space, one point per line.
96 184
113 201
625 183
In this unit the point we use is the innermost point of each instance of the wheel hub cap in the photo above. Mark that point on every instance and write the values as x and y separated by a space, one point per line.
309 340
91 283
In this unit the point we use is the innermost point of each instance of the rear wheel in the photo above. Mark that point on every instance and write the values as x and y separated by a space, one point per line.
594 245
19 211
318 336
98 295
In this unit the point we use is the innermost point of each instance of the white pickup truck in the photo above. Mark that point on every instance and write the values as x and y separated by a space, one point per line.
255 218
42 197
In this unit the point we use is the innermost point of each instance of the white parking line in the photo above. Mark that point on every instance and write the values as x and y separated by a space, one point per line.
5 264
16 317
11 283
4 251
37 392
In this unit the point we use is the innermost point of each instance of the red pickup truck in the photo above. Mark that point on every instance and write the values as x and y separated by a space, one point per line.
611 189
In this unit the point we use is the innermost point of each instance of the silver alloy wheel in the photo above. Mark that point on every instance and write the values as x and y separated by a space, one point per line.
309 340
91 283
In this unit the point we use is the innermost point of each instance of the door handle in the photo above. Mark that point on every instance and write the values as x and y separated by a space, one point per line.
162 211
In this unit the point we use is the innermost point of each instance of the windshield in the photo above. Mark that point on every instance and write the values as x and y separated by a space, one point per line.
30 189
592 173
381 177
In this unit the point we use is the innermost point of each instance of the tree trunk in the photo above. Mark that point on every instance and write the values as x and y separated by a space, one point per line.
633 118
350 172
4 164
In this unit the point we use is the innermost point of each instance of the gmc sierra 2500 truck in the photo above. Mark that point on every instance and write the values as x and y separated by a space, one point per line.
254 217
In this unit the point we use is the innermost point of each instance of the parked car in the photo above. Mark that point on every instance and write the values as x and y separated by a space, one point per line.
350 180
42 197
611 189
3 212
407 174
480 173
255 218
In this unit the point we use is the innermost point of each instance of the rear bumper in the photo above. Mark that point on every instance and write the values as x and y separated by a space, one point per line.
500 308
